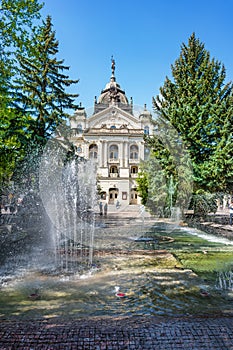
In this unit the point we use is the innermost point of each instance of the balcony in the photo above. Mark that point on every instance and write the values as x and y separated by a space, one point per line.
113 160
133 175
113 174
134 161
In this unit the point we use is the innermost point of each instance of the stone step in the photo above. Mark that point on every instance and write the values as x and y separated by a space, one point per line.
133 211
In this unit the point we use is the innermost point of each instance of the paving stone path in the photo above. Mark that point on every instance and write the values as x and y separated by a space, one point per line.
154 333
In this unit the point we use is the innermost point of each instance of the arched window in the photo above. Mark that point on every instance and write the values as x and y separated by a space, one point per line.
113 169
133 152
93 151
146 130
113 127
113 152
134 170
103 195
79 128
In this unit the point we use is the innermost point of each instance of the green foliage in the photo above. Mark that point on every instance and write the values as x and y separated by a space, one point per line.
16 20
154 187
16 24
203 204
142 184
200 106
33 97
13 141
168 171
40 89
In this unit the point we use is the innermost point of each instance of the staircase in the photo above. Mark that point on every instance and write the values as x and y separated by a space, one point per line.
128 211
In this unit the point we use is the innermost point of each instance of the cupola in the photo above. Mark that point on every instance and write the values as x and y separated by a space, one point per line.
112 94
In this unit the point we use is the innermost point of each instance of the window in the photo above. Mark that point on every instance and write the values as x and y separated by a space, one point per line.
113 152
93 151
79 128
103 195
134 170
146 130
113 170
133 152
113 127
124 195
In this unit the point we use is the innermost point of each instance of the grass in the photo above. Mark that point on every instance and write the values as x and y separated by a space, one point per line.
205 258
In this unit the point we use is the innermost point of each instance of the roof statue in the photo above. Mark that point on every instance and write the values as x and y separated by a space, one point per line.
113 66
112 94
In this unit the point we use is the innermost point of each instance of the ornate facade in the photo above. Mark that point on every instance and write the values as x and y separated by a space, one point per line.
113 136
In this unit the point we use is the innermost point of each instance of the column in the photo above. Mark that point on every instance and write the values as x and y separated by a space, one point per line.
141 150
100 153
126 154
105 153
121 154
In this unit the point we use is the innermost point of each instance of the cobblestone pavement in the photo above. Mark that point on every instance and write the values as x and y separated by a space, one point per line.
118 333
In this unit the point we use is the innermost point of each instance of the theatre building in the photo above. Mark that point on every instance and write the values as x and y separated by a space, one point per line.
113 137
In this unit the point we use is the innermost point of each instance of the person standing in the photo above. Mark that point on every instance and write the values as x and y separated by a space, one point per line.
101 208
231 212
105 209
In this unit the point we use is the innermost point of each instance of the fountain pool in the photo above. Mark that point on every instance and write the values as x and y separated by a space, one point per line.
155 282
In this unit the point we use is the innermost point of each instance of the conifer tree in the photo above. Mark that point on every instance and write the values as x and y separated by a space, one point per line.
16 25
199 104
41 87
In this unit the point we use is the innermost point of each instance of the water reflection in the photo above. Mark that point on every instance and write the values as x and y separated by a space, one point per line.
153 281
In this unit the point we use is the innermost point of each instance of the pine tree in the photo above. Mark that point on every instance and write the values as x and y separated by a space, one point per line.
40 88
151 186
166 177
199 105
16 24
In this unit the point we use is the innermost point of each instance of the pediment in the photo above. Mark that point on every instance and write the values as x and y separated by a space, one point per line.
113 116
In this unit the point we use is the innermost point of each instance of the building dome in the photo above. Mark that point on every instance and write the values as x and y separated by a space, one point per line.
112 94
145 116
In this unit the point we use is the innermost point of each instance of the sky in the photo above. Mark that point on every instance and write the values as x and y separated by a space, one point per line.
144 37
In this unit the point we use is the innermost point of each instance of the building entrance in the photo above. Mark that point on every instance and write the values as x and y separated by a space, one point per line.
113 195
133 197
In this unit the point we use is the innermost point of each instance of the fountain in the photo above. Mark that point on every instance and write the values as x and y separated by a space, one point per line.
224 280
68 192
56 278
51 228
130 281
